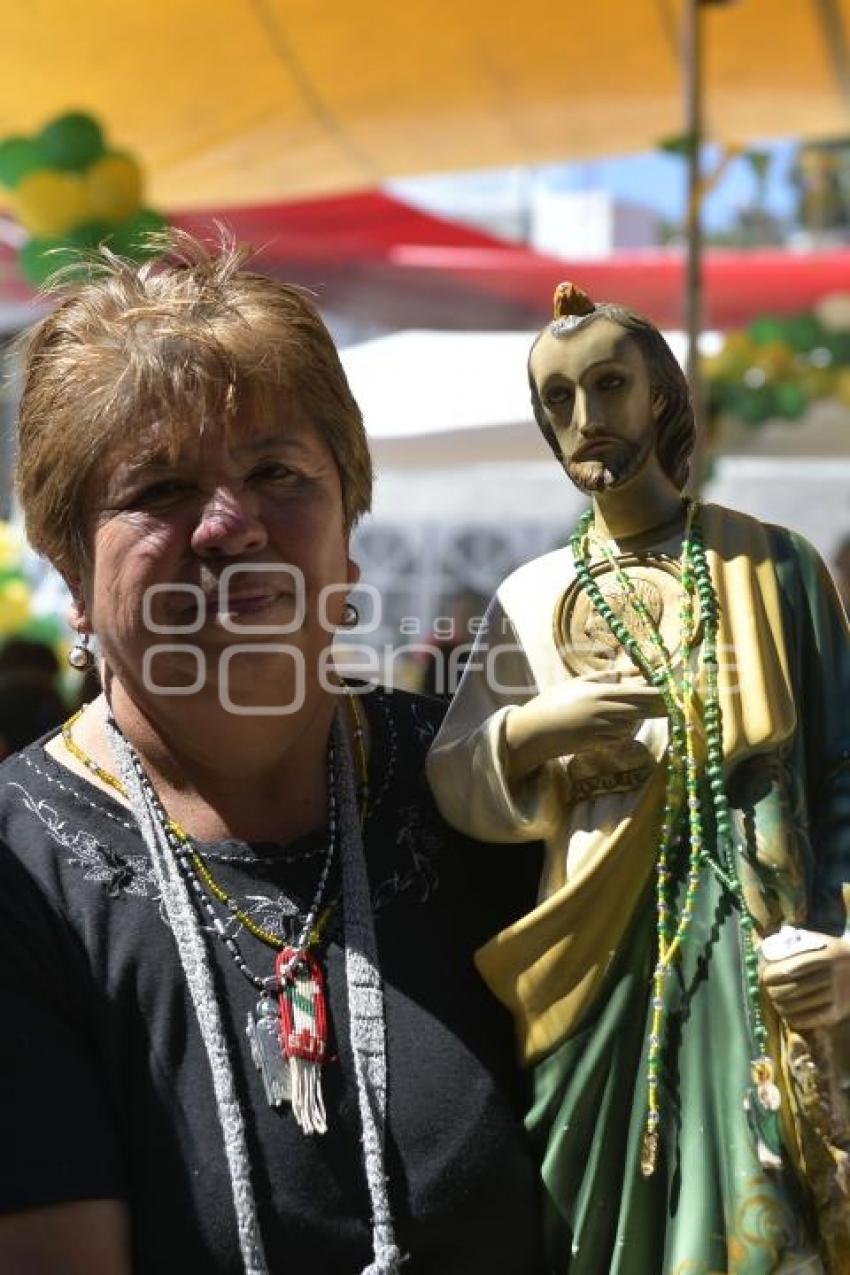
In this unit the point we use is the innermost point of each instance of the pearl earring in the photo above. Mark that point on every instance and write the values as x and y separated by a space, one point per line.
350 616
80 655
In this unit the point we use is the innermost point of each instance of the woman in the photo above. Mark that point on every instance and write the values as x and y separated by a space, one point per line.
243 1031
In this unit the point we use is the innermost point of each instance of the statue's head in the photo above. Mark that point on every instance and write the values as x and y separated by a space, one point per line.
606 389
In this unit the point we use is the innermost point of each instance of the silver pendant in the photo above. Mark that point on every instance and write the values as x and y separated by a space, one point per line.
264 1037
769 1096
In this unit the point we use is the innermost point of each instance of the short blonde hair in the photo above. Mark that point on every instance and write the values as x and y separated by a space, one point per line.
187 337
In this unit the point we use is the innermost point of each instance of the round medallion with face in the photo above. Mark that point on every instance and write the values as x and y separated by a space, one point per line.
585 642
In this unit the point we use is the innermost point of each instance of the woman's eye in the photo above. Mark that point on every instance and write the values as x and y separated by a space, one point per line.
160 492
273 471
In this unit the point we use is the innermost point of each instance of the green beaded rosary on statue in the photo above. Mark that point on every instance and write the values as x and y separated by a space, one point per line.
687 779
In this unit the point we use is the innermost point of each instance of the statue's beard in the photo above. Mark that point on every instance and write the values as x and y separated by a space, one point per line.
620 462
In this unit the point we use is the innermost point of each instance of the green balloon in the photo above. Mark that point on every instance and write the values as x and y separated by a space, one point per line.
766 329
838 343
20 156
721 395
790 399
38 261
128 239
72 141
42 628
90 234
753 406
804 332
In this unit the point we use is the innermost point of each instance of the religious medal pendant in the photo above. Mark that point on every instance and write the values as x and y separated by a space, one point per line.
304 1033
767 1090
649 1151
263 1032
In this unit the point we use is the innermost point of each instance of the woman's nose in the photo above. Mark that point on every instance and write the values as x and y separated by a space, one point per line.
229 525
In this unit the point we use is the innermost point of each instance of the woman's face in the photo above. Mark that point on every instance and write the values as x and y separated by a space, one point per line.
220 552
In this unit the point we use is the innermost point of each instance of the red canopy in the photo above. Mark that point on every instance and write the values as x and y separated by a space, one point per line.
380 238
377 260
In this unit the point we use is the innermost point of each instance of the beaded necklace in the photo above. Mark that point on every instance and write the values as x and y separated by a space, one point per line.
364 990
683 791
287 1035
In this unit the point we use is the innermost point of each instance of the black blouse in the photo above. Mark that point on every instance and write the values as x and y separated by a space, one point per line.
105 1088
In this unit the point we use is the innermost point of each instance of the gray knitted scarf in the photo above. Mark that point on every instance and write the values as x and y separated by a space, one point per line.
365 1000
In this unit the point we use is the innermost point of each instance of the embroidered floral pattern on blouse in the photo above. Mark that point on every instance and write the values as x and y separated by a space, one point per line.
424 724
411 852
120 873
280 916
419 845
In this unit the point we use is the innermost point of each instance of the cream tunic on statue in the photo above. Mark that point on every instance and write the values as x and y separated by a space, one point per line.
599 812
572 804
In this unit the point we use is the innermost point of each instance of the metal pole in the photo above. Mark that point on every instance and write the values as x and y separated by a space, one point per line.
692 64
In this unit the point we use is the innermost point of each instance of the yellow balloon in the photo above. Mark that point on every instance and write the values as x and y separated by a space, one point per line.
52 203
730 363
818 382
114 186
14 606
738 344
775 358
10 546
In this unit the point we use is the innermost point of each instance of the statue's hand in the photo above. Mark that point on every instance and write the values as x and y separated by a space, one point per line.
568 719
812 989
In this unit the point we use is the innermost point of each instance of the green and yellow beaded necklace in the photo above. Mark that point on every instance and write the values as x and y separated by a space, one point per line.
179 833
683 790
288 1033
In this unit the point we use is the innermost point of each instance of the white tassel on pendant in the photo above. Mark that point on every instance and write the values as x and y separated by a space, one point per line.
308 1104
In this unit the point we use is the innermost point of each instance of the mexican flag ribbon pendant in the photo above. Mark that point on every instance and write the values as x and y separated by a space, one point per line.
303 1034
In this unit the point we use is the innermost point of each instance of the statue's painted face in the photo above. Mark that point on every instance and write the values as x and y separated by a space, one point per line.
595 391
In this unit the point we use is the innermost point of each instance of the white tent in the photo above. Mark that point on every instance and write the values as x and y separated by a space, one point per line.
445 398
452 398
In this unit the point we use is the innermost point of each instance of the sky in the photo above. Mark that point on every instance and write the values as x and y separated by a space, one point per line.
658 180
654 179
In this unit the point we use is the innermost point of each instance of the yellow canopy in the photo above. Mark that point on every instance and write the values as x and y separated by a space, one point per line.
231 102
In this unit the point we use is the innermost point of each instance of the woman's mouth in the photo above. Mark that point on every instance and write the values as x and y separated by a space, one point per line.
210 607
241 603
